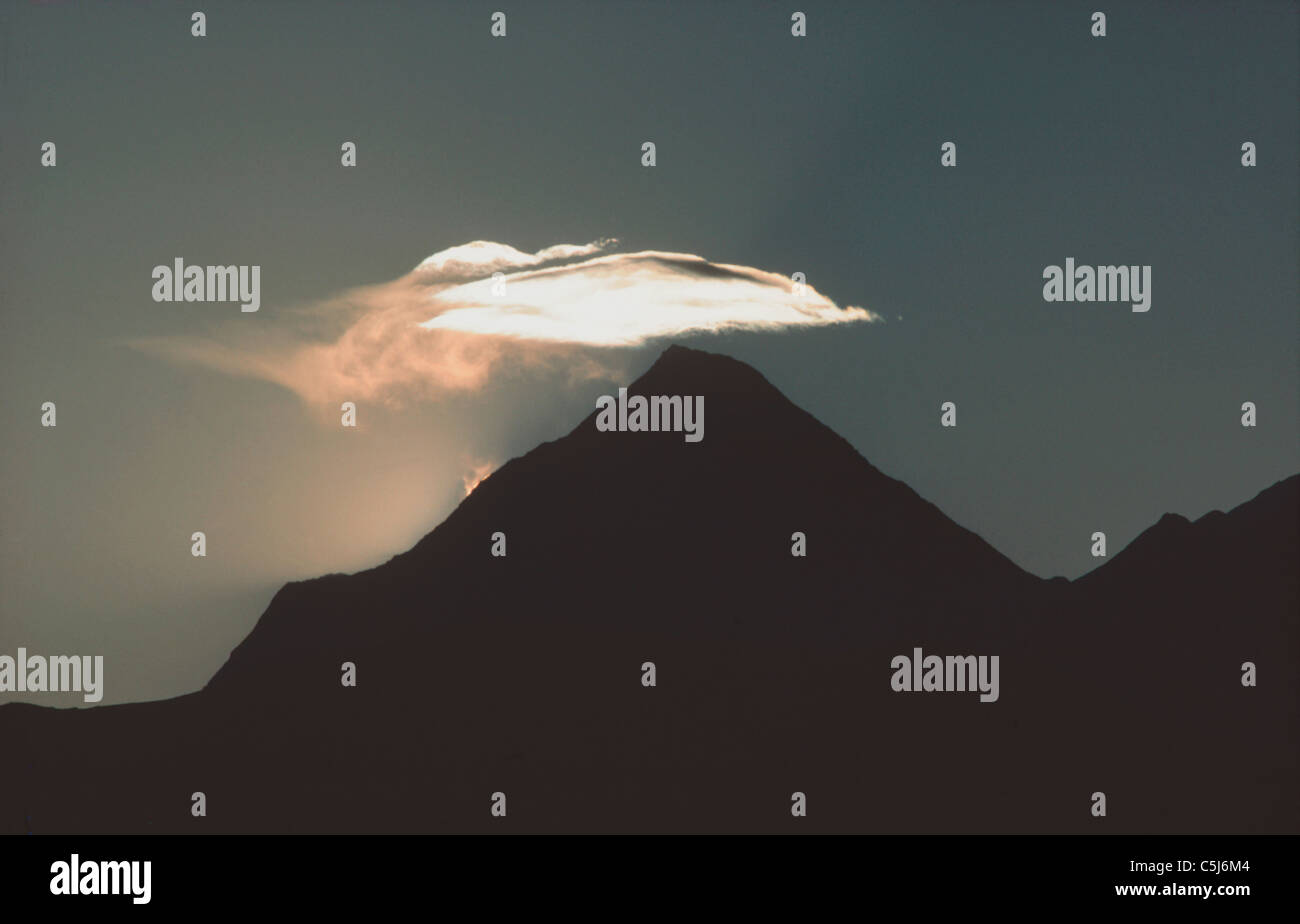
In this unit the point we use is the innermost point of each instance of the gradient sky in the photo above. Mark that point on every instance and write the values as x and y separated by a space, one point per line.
818 155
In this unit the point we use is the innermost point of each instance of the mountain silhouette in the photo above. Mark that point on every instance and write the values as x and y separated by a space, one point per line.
478 674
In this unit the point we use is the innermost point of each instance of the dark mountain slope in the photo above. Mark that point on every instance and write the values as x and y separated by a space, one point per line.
522 674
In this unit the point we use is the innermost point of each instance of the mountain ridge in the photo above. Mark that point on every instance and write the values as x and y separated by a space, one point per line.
524 673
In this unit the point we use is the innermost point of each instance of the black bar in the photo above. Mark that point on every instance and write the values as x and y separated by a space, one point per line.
333 874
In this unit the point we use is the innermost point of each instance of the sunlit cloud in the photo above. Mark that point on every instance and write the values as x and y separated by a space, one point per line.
629 299
474 477
465 313
482 258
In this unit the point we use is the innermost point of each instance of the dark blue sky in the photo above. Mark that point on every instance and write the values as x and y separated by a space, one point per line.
818 155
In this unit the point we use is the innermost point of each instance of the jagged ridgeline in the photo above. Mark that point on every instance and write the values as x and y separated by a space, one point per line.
643 652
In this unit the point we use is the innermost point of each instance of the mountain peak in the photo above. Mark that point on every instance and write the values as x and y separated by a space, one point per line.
679 369
771 574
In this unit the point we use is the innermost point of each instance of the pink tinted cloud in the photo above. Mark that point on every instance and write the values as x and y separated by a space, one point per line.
448 325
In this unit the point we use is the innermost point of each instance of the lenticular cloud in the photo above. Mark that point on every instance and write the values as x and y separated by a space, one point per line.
629 299
450 322
481 258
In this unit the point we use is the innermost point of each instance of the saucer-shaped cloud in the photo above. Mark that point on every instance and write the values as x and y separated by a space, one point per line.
453 320
628 299
482 258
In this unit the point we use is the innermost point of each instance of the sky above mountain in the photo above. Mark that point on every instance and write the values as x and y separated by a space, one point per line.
775 156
